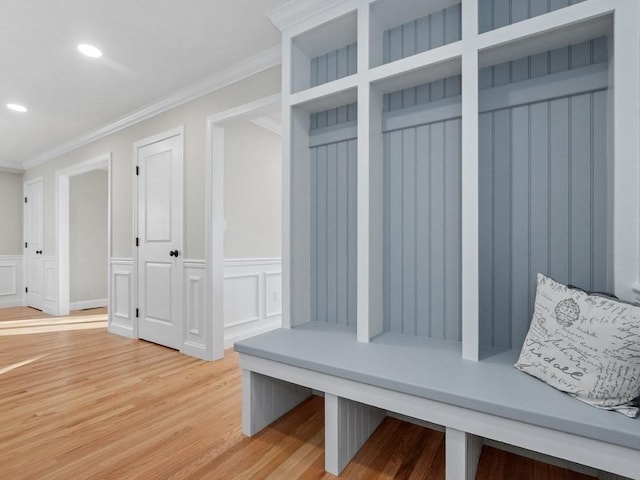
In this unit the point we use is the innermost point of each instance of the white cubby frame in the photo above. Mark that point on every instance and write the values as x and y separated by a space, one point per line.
617 18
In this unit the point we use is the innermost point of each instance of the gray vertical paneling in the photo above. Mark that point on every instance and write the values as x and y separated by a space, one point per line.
520 220
409 231
599 192
333 230
559 230
432 31
394 276
485 220
436 205
502 223
342 210
581 189
313 278
422 230
539 172
543 206
334 65
352 252
429 92
553 61
452 231
322 229
498 13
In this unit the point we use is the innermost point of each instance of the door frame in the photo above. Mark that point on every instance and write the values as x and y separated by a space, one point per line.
214 215
176 131
100 162
25 276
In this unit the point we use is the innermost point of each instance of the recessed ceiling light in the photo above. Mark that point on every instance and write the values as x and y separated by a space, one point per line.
16 108
89 50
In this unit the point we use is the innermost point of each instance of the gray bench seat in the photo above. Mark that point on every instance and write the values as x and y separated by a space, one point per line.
434 370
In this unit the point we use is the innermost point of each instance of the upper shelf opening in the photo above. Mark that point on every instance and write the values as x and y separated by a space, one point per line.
324 54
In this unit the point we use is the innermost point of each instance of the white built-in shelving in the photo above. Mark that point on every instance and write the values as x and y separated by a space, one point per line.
359 51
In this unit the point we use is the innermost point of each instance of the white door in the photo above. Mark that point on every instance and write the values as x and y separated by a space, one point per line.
159 239
34 240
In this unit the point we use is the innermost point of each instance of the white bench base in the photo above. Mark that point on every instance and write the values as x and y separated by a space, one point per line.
266 397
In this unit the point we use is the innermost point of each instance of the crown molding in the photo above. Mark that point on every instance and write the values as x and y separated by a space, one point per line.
11 167
241 70
296 11
268 124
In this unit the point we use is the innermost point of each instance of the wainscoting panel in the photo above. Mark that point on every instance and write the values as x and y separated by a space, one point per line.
195 294
252 297
50 286
121 309
11 281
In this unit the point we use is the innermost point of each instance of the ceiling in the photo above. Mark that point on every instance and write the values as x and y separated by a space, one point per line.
152 49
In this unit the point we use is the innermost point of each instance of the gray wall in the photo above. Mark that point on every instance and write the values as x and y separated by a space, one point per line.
252 191
193 116
11 210
333 216
88 235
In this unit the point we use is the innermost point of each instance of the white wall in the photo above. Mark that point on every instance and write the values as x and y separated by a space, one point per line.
252 191
11 209
193 116
88 258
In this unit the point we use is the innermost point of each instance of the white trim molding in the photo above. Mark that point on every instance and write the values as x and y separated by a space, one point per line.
102 162
11 167
244 69
88 304
50 286
11 281
194 305
121 308
216 337
252 297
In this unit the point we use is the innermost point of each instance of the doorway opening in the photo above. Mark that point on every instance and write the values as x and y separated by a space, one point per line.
84 234
244 222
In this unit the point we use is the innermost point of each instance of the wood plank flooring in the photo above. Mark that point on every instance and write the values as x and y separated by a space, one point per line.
84 404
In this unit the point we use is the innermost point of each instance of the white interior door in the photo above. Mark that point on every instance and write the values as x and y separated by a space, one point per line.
34 242
160 220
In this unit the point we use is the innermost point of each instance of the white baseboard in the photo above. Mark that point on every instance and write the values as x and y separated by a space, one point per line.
230 339
86 304
195 350
122 330
12 303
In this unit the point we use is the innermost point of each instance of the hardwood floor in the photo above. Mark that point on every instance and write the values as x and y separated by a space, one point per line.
84 404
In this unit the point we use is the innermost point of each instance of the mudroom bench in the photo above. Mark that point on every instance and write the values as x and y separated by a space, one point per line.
428 381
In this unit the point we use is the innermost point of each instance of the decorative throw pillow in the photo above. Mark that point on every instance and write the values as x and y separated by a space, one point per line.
587 346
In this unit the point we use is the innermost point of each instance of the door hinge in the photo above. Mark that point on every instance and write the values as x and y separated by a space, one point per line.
137 313
25 199
137 170
26 289
137 242
26 245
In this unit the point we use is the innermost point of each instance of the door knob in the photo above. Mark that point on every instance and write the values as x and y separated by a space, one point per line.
38 252
173 253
